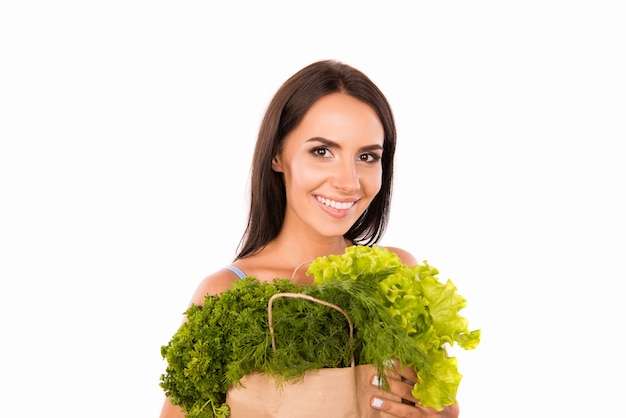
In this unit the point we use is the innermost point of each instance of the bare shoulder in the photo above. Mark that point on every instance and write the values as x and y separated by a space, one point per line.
213 284
406 257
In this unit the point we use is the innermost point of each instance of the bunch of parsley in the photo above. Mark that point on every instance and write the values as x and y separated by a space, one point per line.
398 312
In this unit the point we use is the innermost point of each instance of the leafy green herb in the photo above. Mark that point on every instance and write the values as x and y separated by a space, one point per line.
424 308
398 312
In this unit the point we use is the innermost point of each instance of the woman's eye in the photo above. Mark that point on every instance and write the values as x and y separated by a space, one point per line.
321 152
369 158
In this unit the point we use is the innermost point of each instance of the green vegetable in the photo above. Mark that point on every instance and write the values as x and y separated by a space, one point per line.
398 312
423 308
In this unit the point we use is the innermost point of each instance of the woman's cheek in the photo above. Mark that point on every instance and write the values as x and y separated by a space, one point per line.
307 177
371 181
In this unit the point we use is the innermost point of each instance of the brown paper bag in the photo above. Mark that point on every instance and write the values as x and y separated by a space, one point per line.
329 393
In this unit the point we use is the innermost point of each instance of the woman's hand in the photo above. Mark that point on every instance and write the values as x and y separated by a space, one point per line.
401 382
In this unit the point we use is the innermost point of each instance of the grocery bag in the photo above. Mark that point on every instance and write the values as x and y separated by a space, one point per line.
329 392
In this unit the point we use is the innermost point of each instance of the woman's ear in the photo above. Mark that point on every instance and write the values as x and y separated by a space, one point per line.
277 164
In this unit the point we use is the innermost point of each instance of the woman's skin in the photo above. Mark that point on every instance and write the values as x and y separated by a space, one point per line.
332 170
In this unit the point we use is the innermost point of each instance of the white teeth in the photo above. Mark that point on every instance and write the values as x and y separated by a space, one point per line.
335 205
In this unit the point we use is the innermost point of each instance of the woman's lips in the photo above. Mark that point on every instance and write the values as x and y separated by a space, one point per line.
335 204
336 208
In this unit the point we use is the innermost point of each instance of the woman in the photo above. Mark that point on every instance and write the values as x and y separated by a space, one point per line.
321 181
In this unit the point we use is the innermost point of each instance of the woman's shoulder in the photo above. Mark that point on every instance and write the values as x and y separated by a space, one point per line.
214 284
406 257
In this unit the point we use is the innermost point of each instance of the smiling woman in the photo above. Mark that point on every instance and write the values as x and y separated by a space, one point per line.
331 165
320 183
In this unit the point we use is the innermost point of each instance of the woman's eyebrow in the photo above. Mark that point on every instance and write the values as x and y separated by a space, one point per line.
332 144
324 141
374 147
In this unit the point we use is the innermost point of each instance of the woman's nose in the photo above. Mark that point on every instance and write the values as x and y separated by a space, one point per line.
346 178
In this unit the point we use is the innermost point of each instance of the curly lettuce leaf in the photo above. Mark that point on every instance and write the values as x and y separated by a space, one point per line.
422 307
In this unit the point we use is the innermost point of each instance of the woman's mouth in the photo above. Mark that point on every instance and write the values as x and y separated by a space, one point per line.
334 204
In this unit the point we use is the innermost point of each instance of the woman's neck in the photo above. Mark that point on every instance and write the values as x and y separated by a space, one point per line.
285 255
307 248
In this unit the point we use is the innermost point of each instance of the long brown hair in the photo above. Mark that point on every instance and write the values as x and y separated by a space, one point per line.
285 111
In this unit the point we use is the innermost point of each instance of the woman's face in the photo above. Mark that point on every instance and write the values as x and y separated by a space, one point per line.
331 163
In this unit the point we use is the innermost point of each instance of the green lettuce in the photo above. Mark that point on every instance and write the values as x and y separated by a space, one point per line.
424 308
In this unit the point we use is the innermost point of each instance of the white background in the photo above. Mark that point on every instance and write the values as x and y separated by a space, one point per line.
126 134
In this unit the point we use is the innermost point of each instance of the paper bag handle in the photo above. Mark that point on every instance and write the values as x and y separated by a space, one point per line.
311 298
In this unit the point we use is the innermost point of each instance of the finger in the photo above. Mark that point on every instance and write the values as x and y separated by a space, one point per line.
404 373
450 411
406 377
399 409
398 387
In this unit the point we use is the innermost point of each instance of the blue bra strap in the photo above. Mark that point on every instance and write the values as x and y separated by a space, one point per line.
237 271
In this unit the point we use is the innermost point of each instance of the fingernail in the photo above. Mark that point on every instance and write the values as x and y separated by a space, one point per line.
377 403
377 381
